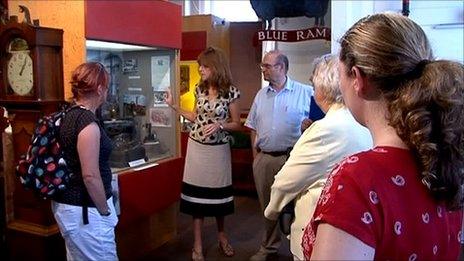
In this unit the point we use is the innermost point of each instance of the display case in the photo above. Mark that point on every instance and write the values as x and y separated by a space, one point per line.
135 116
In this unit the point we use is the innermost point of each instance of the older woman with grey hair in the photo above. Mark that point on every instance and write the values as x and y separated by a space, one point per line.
322 145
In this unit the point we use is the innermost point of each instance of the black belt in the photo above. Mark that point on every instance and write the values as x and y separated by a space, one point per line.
275 153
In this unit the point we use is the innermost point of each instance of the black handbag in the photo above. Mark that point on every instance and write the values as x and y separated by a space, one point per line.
286 217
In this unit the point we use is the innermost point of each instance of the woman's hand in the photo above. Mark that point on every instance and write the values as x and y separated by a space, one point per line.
305 124
169 100
212 128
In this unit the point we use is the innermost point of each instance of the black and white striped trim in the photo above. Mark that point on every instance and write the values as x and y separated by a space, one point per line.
204 201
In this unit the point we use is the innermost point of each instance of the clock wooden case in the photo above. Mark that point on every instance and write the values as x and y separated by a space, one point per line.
31 85
31 63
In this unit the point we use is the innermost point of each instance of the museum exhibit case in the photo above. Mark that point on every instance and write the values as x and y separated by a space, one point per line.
135 116
146 133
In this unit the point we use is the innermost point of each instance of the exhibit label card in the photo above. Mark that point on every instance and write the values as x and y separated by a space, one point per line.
160 73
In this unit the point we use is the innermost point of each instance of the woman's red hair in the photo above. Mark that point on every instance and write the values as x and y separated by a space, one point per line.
87 77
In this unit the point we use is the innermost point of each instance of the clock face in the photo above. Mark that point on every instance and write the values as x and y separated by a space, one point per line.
20 72
31 64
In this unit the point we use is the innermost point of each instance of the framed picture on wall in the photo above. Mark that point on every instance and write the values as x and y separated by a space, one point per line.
184 78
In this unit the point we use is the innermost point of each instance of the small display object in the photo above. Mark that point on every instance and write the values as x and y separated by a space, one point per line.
134 104
160 116
135 115
159 97
130 66
126 147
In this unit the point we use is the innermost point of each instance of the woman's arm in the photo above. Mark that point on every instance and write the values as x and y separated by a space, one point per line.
88 147
335 244
232 124
189 115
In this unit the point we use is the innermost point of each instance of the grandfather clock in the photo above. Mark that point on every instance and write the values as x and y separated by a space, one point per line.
31 84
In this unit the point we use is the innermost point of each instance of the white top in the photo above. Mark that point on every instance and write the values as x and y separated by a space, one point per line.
325 143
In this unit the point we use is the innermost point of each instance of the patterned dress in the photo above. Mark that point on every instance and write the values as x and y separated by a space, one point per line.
378 197
207 182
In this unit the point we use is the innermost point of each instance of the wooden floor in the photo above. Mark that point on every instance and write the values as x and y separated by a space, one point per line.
244 227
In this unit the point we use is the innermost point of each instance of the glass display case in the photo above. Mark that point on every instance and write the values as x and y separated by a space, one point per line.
135 115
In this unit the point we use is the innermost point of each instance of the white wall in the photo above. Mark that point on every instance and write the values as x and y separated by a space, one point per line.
230 10
234 11
345 14
302 54
442 21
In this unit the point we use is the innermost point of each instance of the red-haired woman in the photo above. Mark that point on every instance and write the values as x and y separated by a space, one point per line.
207 182
85 211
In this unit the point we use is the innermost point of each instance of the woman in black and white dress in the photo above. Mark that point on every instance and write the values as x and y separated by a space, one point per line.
207 182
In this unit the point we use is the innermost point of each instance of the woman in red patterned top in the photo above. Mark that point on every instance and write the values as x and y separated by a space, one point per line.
401 200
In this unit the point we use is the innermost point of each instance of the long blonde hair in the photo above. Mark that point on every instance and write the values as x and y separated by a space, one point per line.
424 96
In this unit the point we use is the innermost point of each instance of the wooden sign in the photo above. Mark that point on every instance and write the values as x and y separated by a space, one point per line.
308 34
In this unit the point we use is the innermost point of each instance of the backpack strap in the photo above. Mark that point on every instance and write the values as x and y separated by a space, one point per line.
85 215
69 108
461 240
